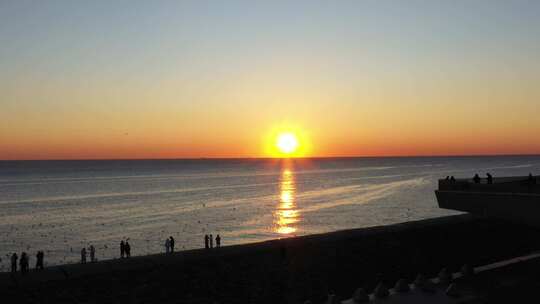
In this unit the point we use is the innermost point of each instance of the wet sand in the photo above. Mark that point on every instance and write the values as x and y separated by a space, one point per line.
279 271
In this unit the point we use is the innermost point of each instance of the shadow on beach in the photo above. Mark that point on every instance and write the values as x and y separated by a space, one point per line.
280 271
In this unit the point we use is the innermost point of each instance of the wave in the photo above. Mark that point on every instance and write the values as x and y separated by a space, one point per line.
133 193
157 177
512 167
130 178
357 195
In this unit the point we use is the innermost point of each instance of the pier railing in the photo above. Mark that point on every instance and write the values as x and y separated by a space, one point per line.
522 184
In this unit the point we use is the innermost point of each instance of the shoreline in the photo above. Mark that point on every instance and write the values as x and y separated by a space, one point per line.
288 270
259 245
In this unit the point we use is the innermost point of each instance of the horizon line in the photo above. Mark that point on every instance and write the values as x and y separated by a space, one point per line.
272 158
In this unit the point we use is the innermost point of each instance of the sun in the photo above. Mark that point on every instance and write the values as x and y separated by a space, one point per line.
287 143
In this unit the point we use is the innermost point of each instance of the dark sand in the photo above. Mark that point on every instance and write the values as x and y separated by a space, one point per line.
280 271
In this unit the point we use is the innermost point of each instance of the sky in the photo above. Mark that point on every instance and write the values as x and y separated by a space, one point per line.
192 79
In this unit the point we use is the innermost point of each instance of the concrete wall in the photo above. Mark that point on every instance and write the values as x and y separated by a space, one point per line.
520 207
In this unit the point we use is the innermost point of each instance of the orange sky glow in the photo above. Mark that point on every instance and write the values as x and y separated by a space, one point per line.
209 82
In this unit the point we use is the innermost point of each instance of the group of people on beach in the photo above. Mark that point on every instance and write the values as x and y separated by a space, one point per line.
24 261
169 245
125 249
209 241
125 252
92 250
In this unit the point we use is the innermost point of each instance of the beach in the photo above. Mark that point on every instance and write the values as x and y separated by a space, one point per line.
289 270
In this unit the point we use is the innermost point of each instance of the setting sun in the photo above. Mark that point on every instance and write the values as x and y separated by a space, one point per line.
287 143
287 140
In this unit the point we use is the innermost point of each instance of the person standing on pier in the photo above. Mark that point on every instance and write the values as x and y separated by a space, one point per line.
14 259
206 241
211 241
218 241
531 179
476 179
489 178
172 243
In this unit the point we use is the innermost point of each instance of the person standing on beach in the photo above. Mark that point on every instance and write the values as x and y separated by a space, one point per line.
83 256
14 259
218 241
206 241
489 178
211 241
92 254
172 243
128 249
167 245
122 249
39 260
23 263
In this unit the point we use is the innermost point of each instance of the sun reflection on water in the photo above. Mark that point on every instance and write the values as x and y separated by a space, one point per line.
286 214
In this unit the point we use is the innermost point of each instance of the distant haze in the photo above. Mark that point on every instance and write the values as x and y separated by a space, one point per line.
171 79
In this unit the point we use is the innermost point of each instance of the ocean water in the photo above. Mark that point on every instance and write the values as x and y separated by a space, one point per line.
63 206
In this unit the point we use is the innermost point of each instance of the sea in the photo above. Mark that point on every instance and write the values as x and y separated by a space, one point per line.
60 207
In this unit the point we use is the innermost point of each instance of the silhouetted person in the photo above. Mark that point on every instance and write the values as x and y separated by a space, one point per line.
23 263
83 256
14 258
218 241
122 249
172 244
92 254
206 241
39 260
489 178
128 250
476 179
167 245
531 179
452 179
447 177
211 241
